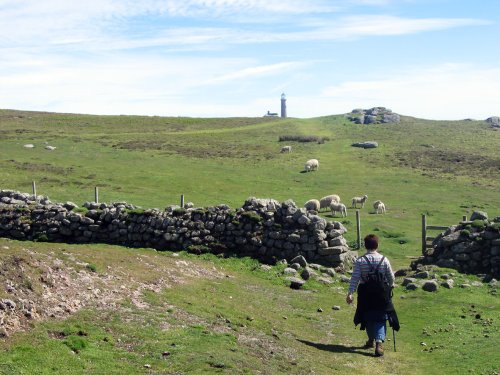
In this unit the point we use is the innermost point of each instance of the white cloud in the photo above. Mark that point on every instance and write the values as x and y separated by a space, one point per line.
256 71
105 24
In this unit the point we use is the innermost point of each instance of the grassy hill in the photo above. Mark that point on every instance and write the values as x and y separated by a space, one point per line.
445 169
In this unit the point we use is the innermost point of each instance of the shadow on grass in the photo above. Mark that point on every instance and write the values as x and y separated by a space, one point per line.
337 348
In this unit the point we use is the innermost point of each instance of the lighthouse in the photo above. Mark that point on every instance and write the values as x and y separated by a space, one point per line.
283 105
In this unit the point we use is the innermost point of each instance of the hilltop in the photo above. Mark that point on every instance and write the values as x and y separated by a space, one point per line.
181 313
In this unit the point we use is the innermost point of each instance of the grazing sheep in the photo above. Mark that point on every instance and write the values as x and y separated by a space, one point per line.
286 149
312 205
379 207
311 165
361 200
50 148
29 145
326 201
338 207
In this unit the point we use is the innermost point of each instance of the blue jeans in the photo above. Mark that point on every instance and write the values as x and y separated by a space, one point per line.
375 325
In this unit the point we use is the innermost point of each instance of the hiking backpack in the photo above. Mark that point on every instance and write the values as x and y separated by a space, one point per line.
377 286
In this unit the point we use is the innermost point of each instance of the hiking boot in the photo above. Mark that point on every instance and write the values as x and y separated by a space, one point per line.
379 349
370 344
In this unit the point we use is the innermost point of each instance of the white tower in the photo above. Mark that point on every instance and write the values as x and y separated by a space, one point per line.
283 105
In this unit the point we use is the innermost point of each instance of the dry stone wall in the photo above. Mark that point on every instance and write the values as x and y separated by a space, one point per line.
262 228
470 247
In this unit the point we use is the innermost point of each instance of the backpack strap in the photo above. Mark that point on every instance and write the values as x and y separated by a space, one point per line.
372 268
380 263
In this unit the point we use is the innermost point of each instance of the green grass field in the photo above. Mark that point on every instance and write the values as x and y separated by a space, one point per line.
250 322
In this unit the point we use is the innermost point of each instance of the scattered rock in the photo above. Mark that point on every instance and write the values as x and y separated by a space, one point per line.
422 275
296 283
325 280
408 280
289 271
300 260
345 279
307 273
336 308
329 271
366 144
402 272
411 286
448 284
430 286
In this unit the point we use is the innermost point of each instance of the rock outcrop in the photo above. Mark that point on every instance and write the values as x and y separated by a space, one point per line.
494 121
375 115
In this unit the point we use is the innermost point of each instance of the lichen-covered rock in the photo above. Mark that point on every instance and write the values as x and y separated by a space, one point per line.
367 144
375 115
430 286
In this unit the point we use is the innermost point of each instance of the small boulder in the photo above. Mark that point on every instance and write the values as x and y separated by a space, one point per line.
448 284
411 286
409 280
307 273
296 283
366 144
300 260
430 286
479 215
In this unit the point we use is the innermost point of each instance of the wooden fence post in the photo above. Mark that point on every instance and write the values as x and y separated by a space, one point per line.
182 200
358 229
424 233
33 185
96 194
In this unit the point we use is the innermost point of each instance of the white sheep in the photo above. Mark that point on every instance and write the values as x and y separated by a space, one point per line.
361 200
286 149
338 207
50 148
29 145
326 201
312 205
311 165
379 207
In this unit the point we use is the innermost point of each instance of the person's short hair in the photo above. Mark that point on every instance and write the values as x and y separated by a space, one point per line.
371 242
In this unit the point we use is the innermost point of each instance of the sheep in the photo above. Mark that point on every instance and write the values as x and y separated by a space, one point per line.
361 200
311 165
286 149
50 148
379 207
326 201
312 205
338 207
29 145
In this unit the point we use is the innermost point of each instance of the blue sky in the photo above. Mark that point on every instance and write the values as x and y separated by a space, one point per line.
436 59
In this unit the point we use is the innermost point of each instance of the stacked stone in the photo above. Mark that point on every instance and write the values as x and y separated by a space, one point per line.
375 115
470 247
262 228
